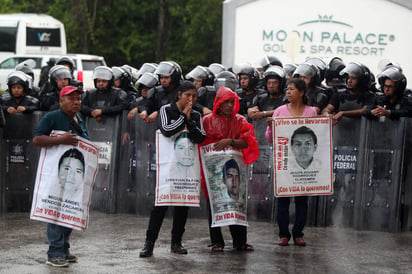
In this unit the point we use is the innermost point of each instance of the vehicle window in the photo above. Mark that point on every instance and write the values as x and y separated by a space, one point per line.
91 64
8 38
10 63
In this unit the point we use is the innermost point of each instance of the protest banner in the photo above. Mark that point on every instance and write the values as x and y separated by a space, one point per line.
177 171
226 179
64 183
302 156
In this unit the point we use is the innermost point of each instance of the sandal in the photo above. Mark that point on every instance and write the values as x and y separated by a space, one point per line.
245 247
217 247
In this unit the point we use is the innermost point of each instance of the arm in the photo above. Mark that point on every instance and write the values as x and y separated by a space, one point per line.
47 141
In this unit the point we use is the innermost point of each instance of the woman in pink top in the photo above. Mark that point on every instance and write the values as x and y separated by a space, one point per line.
297 106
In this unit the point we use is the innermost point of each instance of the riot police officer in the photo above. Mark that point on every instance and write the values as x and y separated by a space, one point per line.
170 75
16 100
104 99
392 103
265 103
354 100
49 96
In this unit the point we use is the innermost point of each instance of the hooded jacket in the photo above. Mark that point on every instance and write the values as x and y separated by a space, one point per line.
234 127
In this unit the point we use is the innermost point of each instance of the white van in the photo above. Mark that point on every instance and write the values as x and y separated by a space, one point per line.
27 33
83 71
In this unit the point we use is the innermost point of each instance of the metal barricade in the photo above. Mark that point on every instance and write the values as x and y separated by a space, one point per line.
106 135
19 160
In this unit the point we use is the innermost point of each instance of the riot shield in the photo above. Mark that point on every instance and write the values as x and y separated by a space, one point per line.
19 160
127 180
348 151
260 188
145 172
384 156
106 136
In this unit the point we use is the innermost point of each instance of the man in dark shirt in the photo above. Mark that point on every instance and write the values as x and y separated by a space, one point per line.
66 119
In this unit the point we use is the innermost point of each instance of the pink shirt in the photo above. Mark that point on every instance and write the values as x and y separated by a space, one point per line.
283 111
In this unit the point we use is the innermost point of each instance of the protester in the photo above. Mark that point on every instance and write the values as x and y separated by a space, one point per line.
173 118
226 128
297 106
66 119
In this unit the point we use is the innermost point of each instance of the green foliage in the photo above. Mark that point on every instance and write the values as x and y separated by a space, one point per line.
126 31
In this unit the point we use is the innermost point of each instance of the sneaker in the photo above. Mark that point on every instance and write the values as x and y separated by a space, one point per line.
58 262
71 258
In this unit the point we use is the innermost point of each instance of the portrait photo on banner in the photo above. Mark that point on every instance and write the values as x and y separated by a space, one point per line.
64 183
302 156
177 171
226 178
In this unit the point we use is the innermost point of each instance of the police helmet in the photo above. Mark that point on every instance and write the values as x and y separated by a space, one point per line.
268 60
308 70
395 74
103 72
276 72
226 79
66 61
320 64
289 69
119 73
335 65
59 72
251 72
359 70
18 77
170 68
148 80
201 72
132 73
146 67
216 68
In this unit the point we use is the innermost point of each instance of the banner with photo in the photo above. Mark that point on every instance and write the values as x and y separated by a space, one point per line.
178 171
64 183
227 181
302 156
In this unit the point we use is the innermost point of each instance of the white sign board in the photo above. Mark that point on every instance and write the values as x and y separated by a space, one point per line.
366 31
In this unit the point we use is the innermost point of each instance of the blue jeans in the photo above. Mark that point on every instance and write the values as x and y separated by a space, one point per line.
58 237
301 213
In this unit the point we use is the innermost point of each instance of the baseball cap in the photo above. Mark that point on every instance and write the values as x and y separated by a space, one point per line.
69 90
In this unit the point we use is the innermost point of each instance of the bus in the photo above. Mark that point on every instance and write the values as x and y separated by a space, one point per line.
28 33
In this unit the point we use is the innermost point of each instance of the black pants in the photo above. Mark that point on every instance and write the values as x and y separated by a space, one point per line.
238 232
156 219
301 213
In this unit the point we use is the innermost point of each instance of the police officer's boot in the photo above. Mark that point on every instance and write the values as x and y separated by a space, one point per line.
147 250
176 247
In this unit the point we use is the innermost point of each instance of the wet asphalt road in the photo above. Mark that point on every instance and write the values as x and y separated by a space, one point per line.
112 244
